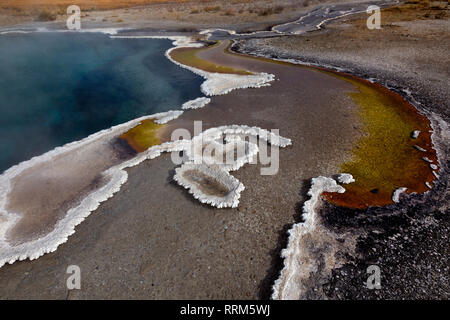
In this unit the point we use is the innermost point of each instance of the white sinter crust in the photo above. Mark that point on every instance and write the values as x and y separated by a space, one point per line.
116 176
196 103
65 227
215 83
297 265
397 192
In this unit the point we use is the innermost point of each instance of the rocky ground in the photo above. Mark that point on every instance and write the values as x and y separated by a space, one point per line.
241 15
408 241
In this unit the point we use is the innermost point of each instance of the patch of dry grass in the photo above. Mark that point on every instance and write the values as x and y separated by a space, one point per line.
212 9
229 12
417 9
270 11
46 15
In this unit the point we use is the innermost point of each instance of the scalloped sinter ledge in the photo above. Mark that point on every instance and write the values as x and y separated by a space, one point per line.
65 227
300 262
221 83
215 83
116 176
210 184
196 103
213 154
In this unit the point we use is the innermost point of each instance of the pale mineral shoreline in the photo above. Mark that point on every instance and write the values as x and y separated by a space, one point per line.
242 95
410 57
97 177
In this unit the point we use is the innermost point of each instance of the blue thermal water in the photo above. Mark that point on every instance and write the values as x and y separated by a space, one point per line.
57 88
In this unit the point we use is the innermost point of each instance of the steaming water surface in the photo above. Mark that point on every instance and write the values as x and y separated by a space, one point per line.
57 88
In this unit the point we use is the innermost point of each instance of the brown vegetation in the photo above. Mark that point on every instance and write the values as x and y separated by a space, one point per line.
45 15
229 12
269 11
212 9
419 9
